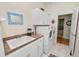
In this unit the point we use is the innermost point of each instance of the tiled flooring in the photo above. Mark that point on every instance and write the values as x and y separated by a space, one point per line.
44 55
60 50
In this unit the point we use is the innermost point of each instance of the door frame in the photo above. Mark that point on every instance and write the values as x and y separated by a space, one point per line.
63 25
74 46
75 39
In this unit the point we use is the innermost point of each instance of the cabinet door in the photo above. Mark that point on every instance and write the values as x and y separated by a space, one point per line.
37 48
44 31
42 17
40 47
34 51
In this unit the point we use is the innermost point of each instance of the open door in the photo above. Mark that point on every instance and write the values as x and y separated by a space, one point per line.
73 34
64 29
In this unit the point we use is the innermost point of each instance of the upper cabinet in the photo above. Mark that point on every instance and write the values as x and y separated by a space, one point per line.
40 17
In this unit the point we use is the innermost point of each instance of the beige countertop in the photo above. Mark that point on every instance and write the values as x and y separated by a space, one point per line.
7 48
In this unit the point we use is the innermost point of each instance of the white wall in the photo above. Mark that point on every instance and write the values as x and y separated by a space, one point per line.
25 9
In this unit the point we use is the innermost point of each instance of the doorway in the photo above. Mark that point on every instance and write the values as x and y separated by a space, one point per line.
64 27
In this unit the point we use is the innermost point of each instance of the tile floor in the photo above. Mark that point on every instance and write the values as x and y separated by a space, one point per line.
60 50
44 55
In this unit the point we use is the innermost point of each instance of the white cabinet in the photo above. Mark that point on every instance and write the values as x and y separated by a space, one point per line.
40 47
2 54
44 30
34 49
40 17
37 48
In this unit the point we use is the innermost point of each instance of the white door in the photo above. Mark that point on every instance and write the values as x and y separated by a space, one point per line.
73 35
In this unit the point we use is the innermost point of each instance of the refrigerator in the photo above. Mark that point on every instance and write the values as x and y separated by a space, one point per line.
41 20
44 30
